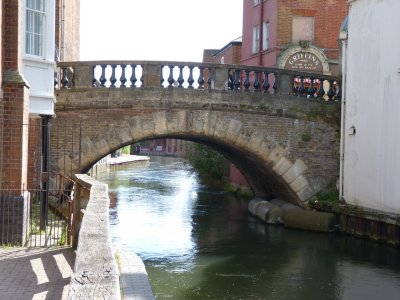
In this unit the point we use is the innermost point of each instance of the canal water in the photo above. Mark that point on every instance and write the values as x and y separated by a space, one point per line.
200 243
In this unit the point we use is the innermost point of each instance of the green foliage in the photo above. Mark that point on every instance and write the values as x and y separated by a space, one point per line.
208 163
329 196
126 150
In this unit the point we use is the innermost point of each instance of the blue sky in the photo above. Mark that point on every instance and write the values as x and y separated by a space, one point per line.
176 30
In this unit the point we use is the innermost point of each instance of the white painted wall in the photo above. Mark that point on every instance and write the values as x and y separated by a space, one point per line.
39 71
371 168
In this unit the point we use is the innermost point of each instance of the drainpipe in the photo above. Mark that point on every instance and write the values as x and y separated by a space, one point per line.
260 41
45 169
62 51
343 40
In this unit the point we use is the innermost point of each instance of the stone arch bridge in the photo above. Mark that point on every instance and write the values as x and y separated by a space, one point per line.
280 128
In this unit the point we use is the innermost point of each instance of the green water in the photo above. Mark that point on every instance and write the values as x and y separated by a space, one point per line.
198 243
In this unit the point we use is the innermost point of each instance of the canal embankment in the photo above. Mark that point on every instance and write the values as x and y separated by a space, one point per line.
109 163
327 216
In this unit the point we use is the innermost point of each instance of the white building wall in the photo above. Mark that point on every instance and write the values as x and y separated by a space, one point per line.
39 71
371 169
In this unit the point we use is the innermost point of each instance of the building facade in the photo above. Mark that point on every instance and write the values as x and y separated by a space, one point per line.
27 71
293 34
370 124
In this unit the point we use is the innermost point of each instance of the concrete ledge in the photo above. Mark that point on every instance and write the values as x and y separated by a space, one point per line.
134 280
96 274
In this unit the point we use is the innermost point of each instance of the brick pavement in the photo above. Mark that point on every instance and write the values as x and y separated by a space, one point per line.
35 273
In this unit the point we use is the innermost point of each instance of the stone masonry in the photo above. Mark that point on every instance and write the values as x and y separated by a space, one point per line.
285 146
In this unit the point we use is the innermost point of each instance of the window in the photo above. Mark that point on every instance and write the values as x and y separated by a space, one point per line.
302 29
256 38
265 35
34 29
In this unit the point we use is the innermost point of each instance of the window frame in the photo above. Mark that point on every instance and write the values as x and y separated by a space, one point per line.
265 41
35 28
256 39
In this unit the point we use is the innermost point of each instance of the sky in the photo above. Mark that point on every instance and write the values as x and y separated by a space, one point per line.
171 30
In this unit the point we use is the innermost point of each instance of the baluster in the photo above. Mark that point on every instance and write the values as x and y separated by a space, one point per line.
201 80
142 79
266 84
311 89
113 79
295 87
236 83
55 79
231 79
209 81
321 91
339 93
246 82
123 79
94 80
302 89
190 79
331 92
171 79
103 79
64 78
73 77
275 86
133 78
180 78
162 76
256 84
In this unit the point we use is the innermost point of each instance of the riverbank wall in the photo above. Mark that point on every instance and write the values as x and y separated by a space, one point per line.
364 223
331 217
116 163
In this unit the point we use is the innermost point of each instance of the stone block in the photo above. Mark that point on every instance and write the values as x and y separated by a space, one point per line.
276 154
306 193
210 123
160 122
182 120
299 183
282 166
136 128
234 128
296 170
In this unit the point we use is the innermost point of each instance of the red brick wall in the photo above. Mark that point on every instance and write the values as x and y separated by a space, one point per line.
15 137
70 18
328 15
15 112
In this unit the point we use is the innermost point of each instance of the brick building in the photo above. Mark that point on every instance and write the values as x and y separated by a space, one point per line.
293 34
33 32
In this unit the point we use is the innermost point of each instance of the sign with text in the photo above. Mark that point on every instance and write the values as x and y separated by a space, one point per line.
304 61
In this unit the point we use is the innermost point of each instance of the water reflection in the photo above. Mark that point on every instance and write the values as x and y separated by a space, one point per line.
198 243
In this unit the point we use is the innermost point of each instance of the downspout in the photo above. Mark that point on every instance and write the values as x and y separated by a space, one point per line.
260 40
62 51
343 40
45 171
